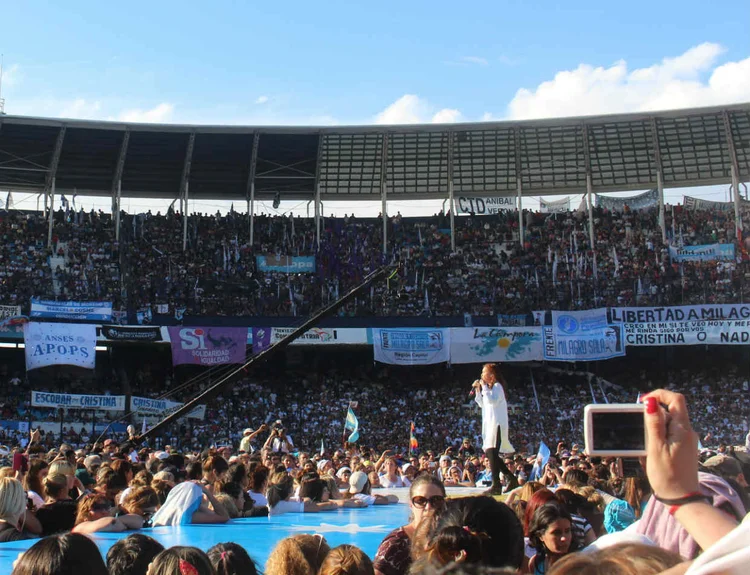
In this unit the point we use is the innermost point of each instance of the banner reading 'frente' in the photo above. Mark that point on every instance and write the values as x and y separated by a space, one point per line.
208 345
725 324
417 346
583 335
48 344
91 310
495 344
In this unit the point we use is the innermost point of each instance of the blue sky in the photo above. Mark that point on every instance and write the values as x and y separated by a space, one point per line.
355 62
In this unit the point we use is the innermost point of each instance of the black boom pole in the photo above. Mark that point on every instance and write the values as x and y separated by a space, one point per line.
269 352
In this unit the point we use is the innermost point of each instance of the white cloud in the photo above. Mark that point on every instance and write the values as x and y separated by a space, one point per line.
157 115
411 109
261 100
80 109
447 116
11 76
478 60
672 83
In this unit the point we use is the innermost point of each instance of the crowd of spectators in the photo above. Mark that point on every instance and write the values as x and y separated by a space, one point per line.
312 405
489 272
562 513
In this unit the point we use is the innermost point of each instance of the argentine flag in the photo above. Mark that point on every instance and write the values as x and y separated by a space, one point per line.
542 457
353 425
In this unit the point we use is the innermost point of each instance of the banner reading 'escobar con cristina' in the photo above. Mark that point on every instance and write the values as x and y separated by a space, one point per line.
411 346
90 310
208 345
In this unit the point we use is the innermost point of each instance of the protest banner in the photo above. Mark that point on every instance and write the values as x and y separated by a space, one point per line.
495 344
75 401
702 253
411 346
285 264
208 345
485 206
723 324
90 311
48 344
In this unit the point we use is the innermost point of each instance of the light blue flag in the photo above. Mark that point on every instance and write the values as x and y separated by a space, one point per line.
352 423
542 457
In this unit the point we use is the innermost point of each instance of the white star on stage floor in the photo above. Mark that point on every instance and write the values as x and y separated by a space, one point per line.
352 528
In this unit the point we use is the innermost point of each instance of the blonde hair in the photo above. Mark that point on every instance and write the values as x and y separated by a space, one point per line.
229 505
6 472
346 560
592 496
61 467
138 499
298 555
528 489
623 559
12 500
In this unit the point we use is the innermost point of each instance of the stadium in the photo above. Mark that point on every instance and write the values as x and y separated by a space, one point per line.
205 333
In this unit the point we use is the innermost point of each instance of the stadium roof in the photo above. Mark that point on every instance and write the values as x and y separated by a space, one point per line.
696 147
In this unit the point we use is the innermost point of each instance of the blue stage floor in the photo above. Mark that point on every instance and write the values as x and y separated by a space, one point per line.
364 528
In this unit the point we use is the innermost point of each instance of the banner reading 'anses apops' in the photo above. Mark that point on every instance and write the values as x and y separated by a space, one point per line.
725 324
485 206
91 311
702 253
495 344
286 264
411 346
59 344
208 345
74 401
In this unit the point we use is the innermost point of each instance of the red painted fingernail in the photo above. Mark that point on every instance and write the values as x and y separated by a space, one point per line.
651 405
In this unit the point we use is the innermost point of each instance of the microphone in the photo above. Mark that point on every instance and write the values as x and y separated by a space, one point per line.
474 389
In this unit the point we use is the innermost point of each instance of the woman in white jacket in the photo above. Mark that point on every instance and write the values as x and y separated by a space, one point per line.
490 396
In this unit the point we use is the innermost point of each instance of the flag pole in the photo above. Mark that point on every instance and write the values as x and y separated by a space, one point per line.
269 352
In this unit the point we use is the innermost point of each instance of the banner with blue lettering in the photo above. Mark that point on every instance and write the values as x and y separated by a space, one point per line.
495 344
722 324
286 264
702 253
73 401
91 310
162 407
59 344
582 335
411 346
591 345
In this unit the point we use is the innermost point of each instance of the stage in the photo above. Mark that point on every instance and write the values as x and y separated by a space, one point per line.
364 528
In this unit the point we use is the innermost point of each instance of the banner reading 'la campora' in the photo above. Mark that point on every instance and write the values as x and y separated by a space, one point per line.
495 344
59 344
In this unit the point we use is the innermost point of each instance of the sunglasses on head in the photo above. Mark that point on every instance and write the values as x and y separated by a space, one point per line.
434 501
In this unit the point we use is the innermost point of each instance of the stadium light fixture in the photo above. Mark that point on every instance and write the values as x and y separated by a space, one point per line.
8 345
101 348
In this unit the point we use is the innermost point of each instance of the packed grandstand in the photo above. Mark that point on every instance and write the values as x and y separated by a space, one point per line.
110 322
